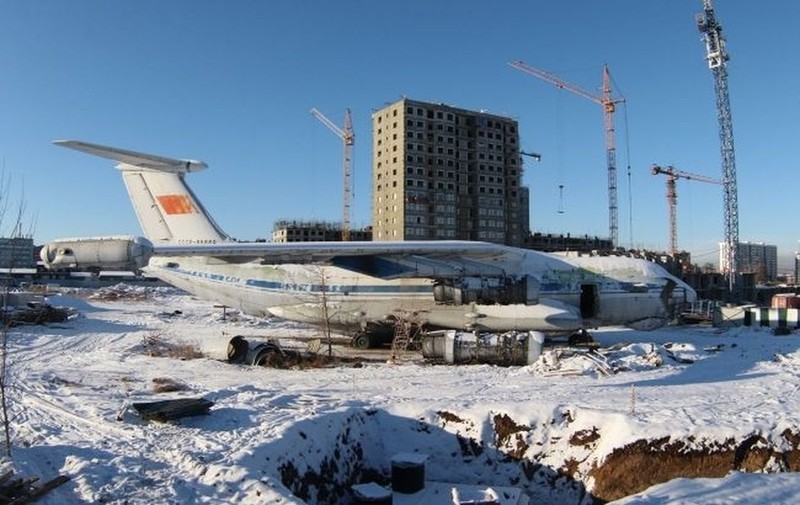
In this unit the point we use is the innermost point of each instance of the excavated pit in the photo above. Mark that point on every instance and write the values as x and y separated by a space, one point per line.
621 473
498 450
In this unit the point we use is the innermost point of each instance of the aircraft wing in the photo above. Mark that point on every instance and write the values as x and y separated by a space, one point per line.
387 260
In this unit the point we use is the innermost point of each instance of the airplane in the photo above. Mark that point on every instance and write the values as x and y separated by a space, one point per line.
365 288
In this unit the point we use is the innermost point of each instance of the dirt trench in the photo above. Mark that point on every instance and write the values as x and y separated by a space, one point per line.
641 464
550 462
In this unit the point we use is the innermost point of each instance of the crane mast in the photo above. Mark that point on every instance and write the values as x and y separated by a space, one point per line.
672 197
609 105
717 58
348 139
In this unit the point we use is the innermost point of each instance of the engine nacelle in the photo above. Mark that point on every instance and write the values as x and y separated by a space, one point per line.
97 253
488 290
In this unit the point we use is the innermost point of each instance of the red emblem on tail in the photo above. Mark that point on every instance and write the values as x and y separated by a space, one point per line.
177 204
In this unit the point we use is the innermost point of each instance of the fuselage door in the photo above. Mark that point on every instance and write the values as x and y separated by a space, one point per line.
531 290
590 301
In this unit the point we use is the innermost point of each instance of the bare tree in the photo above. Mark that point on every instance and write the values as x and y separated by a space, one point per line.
16 232
326 311
320 299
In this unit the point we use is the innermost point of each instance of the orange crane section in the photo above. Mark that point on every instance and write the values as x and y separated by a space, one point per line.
348 140
609 105
672 197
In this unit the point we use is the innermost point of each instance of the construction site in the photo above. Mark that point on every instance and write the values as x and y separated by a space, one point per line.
489 335
460 174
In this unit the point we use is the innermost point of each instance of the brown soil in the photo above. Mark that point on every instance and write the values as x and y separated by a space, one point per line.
510 435
641 464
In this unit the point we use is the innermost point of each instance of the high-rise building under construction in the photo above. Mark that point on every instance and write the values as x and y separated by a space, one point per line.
444 173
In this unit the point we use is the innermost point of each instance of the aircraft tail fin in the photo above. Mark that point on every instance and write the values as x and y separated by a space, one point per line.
167 209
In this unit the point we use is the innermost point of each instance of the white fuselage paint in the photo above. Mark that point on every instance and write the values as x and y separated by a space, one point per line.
628 290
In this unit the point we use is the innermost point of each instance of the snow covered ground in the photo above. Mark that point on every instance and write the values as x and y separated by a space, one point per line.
300 435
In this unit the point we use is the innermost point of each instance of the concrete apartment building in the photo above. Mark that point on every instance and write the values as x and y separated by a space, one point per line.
314 231
443 173
17 252
758 259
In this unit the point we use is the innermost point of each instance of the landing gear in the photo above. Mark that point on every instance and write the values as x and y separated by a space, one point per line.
373 335
582 338
362 341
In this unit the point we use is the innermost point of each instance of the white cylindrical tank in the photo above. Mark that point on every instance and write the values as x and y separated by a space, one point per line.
97 253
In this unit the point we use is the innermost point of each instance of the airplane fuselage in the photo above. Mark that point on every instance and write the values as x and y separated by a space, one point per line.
583 292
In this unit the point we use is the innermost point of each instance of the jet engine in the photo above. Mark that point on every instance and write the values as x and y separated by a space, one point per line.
512 348
97 253
487 290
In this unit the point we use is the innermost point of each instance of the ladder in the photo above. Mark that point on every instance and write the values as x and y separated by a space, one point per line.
405 329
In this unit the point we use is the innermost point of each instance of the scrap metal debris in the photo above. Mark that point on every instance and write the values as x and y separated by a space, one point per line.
614 359
18 490
168 410
18 308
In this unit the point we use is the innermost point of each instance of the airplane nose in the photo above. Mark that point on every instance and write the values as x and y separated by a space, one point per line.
44 255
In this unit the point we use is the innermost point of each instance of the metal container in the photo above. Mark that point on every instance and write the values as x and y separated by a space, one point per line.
408 472
786 301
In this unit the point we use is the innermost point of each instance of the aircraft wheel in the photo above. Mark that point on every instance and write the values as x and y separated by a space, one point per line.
362 341
264 356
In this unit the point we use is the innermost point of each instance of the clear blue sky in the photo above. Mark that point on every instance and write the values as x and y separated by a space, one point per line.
232 82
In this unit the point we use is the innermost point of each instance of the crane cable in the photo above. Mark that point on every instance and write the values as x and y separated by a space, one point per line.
630 184
560 149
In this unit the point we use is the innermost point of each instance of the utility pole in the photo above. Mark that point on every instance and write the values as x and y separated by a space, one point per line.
717 58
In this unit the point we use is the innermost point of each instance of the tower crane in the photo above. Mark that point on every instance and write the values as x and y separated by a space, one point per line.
536 156
717 58
348 139
672 197
609 105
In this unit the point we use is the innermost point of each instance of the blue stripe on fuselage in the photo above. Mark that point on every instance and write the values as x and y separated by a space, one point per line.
303 288
545 289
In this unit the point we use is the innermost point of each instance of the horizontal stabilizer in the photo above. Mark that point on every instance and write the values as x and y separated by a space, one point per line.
167 209
133 158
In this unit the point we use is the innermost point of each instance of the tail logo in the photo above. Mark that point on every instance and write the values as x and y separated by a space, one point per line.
177 204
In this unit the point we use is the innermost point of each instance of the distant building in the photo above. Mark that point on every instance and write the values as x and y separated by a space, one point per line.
550 242
314 231
797 267
443 173
17 253
756 258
